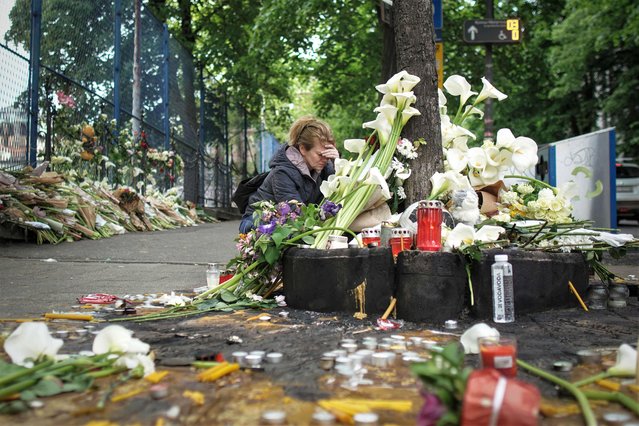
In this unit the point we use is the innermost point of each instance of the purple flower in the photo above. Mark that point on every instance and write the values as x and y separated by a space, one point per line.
431 411
329 209
283 209
267 228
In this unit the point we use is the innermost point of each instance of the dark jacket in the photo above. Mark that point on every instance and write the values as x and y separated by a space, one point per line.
290 179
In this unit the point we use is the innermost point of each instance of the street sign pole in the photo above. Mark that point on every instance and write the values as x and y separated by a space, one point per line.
488 104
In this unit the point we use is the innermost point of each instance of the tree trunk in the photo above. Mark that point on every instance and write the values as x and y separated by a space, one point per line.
136 106
415 53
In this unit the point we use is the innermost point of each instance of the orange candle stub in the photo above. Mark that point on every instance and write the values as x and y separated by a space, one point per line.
499 353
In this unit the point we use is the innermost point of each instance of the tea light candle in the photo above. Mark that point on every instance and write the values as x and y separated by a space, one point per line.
499 353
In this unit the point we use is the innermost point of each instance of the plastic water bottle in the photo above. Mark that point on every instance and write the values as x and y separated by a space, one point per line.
503 295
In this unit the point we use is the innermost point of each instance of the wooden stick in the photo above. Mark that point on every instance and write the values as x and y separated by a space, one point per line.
390 308
75 317
574 291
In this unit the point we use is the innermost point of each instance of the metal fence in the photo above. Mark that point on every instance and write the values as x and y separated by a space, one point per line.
85 51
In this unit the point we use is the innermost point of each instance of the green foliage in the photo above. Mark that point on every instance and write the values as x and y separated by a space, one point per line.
445 376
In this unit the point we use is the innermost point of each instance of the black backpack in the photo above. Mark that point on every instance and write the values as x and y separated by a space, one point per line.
246 188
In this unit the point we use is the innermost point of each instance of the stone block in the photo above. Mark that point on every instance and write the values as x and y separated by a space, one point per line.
325 280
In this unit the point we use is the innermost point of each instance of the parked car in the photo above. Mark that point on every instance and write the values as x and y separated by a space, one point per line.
627 191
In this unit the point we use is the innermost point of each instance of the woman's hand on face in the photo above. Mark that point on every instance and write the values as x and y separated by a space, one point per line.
330 152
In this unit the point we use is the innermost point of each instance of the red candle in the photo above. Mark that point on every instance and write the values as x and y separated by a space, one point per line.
400 240
371 236
499 353
429 225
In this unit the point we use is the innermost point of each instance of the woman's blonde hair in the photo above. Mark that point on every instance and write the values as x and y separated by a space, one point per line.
305 130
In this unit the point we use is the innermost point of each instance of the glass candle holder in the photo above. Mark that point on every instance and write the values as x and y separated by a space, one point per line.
371 236
429 225
499 353
400 240
213 274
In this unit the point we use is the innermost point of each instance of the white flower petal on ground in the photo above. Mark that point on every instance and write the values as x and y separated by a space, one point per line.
469 339
626 361
489 233
356 146
133 360
489 91
383 127
30 341
462 234
116 338
524 153
457 85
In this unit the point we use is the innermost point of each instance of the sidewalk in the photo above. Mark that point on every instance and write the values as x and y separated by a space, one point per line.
37 279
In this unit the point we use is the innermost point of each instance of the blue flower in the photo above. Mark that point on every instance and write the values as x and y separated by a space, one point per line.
267 228
329 209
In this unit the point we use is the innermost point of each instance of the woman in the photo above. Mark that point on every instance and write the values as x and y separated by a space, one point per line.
298 168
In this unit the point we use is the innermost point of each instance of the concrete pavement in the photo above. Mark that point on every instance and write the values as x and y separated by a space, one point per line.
36 279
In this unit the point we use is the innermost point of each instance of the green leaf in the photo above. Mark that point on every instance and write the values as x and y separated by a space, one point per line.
280 234
309 239
227 296
271 255
47 387
77 384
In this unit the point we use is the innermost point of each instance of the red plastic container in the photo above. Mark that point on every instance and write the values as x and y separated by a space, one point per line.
400 240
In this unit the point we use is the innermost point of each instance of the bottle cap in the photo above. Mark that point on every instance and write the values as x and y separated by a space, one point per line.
501 258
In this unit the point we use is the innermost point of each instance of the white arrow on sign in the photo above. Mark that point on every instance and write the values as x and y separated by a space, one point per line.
473 30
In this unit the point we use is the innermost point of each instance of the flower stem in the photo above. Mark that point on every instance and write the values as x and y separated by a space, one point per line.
18 374
586 411
592 379
617 397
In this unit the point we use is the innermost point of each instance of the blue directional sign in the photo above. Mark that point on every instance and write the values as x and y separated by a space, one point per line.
491 31
438 19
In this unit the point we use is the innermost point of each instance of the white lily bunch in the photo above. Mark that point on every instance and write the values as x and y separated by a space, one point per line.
32 342
355 181
489 162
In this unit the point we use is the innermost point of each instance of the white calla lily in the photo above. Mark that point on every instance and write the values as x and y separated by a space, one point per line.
383 127
489 233
388 99
403 174
626 364
476 158
405 99
30 342
409 112
375 177
462 234
407 82
133 360
356 146
505 139
489 91
393 83
389 111
343 166
116 338
469 339
457 160
457 85
490 175
471 110
441 98
442 183
524 153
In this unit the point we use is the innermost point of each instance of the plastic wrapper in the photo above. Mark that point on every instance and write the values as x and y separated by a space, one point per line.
494 400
